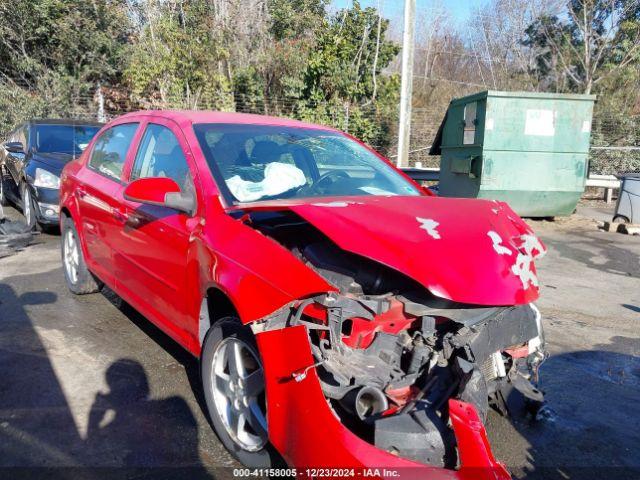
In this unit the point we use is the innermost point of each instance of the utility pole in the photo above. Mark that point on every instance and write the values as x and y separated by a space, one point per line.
404 130
100 98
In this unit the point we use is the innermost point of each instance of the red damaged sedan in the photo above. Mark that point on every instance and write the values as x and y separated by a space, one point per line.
343 316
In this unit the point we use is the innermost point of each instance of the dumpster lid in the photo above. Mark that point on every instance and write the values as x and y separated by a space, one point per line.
521 94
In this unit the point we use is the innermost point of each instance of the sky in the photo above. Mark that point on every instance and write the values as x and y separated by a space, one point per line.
460 10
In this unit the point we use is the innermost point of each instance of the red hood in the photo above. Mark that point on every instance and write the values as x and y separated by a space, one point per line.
465 250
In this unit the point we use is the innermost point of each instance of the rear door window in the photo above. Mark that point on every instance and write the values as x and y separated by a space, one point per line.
111 148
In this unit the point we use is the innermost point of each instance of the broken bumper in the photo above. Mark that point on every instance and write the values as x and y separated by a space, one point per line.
307 433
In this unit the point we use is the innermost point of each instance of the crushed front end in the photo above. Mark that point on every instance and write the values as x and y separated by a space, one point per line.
389 367
386 370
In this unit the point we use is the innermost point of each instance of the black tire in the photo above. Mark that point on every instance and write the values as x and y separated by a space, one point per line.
4 185
621 219
82 282
29 207
227 328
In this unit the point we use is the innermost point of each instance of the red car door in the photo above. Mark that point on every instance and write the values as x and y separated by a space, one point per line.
151 248
97 189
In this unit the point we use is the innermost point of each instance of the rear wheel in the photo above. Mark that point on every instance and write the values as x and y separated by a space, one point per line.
234 389
79 279
620 219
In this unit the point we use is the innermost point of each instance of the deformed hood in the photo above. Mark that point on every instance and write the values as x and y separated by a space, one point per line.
466 250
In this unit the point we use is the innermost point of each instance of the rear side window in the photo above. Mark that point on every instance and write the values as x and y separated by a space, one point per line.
160 155
111 149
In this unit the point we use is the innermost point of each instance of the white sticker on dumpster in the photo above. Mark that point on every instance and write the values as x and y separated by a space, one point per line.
540 123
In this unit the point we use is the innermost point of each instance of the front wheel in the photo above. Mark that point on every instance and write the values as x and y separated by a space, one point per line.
78 277
4 186
234 390
28 207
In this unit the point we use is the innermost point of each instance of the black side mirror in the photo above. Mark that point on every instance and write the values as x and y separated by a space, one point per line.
14 147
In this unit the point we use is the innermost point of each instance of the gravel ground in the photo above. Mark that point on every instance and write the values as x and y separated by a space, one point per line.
86 384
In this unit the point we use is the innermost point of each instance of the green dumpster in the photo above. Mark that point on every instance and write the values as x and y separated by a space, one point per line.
527 149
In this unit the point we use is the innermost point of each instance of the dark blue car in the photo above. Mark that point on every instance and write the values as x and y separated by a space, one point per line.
31 161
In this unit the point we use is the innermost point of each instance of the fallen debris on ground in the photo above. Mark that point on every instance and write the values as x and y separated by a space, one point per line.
626 228
14 236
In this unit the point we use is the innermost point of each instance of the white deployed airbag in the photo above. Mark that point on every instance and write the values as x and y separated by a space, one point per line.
278 178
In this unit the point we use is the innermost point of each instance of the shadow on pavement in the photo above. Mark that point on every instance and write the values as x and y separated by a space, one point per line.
617 260
131 429
129 433
591 430
633 308
179 354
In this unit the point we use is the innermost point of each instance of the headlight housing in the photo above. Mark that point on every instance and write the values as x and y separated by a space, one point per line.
46 179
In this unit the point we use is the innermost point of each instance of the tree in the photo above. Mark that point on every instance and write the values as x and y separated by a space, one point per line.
176 62
598 39
323 69
547 37
343 81
342 64
269 79
75 38
54 53
291 20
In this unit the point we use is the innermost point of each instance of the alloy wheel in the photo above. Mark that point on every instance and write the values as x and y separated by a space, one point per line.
71 256
26 205
238 383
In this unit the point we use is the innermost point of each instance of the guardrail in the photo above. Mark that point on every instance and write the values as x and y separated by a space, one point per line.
423 174
608 182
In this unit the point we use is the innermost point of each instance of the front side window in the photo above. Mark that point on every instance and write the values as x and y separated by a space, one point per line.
264 162
69 139
111 148
160 155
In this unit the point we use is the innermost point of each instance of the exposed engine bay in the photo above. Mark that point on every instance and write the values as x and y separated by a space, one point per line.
389 354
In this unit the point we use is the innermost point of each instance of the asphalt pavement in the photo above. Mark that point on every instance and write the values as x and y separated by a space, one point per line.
86 382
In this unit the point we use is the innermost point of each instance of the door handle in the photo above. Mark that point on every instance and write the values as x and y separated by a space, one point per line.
124 218
119 215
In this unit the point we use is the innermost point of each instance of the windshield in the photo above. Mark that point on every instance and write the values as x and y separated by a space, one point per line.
262 162
71 139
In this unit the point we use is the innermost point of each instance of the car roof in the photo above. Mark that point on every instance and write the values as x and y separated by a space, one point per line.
201 116
63 121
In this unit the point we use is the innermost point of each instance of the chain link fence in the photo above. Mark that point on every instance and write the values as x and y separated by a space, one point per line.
615 142
615 139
